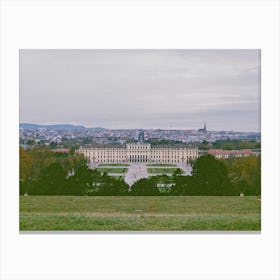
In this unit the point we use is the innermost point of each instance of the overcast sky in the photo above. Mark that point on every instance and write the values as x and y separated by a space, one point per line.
177 89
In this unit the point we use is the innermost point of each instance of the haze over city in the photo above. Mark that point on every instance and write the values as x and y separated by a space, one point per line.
168 89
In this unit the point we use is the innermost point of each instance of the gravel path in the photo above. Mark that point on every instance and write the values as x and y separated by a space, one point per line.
135 172
187 168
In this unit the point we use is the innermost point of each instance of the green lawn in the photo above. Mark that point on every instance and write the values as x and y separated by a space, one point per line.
113 164
162 170
118 177
154 213
112 170
160 164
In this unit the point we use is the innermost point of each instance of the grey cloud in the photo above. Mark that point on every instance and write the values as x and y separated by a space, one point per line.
147 88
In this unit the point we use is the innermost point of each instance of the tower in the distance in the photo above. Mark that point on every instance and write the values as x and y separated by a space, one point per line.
141 137
203 130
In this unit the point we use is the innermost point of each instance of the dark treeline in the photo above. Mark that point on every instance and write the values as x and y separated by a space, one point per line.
230 145
43 172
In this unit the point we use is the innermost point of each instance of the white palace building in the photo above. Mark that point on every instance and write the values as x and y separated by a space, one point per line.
139 152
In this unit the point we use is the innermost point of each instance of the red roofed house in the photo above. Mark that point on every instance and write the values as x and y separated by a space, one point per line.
219 153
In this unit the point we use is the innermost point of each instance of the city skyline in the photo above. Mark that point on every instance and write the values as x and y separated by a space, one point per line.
146 89
135 128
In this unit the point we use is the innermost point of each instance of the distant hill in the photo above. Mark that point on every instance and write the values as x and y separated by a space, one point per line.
31 126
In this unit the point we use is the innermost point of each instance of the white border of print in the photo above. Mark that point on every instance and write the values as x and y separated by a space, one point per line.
143 24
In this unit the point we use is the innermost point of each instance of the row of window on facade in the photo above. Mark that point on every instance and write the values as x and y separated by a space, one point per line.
142 152
151 155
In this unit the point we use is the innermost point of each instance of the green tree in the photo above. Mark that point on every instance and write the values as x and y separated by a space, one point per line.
25 170
31 162
210 175
245 172
178 172
73 149
144 186
111 186
41 158
183 185
52 181
80 181
53 145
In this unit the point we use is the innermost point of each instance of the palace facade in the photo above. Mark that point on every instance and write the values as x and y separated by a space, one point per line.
139 152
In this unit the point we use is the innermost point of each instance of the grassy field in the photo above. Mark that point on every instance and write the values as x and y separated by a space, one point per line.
112 170
118 177
154 213
162 170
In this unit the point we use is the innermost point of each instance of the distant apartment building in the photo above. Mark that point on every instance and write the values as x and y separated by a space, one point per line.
219 153
139 152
